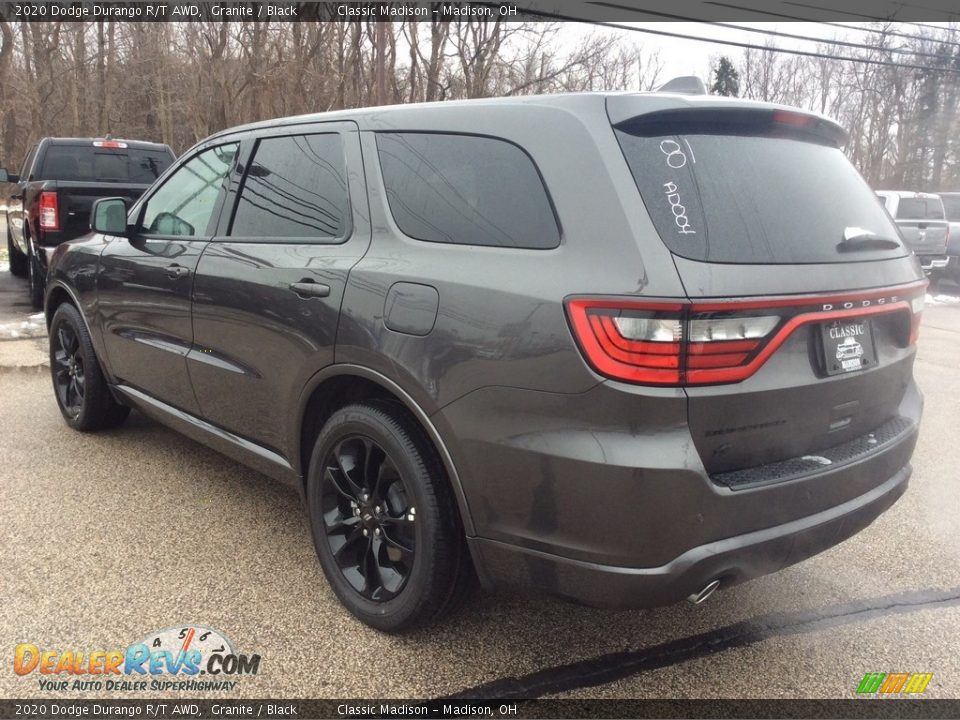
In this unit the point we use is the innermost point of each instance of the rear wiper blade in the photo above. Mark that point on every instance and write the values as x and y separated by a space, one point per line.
855 238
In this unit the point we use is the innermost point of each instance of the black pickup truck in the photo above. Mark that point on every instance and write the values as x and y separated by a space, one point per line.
59 180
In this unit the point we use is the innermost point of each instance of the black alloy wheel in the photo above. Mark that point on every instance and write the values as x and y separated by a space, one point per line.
68 371
368 517
385 523
81 390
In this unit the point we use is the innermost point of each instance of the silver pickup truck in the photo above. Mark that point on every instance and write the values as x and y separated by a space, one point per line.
951 204
922 222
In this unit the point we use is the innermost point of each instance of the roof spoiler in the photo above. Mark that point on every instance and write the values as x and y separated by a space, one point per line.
685 84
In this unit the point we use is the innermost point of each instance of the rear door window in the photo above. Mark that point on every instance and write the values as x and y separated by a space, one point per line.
920 209
295 187
466 190
744 194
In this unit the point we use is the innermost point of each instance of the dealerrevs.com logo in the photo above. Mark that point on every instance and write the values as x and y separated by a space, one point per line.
183 658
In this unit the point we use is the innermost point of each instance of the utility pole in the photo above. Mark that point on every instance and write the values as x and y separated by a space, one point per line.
380 43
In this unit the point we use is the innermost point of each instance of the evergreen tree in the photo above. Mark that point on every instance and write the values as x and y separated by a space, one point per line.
726 78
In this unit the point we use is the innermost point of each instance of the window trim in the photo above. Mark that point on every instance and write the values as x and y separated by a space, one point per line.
139 209
250 156
543 184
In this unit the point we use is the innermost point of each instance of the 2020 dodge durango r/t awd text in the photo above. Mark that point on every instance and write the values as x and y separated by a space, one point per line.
617 348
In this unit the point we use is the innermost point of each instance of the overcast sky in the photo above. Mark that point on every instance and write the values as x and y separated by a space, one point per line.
691 57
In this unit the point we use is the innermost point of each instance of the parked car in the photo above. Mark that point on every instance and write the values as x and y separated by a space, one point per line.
591 345
951 206
921 219
59 180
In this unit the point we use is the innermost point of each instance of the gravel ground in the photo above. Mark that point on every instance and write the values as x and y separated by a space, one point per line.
110 536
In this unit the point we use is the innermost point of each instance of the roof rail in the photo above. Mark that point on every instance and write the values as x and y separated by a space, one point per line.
686 84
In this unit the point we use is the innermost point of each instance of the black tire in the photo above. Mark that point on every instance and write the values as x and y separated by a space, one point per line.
78 382
36 277
411 566
18 261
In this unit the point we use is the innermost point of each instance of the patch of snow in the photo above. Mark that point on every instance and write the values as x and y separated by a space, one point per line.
34 326
942 299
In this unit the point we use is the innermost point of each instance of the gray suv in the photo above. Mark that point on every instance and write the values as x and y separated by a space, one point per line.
620 349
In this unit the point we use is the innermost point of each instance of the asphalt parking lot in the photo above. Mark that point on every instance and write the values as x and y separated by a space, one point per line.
107 537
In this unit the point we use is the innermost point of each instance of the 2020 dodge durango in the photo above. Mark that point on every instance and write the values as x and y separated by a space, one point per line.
615 348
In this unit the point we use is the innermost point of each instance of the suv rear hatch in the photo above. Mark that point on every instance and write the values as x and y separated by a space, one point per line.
796 339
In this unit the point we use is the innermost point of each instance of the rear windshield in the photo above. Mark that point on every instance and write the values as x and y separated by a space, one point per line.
920 209
740 197
94 164
952 205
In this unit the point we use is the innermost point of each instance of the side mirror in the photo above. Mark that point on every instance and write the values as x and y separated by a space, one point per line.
6 177
109 216
166 223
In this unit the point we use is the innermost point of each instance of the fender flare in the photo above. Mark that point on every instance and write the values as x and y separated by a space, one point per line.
341 369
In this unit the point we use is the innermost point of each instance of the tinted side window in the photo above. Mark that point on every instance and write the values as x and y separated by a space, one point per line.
467 190
184 203
295 187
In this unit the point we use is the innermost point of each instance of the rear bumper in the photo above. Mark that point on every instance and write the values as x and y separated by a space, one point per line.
615 508
732 560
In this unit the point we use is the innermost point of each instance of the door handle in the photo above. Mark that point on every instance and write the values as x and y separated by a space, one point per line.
310 289
177 271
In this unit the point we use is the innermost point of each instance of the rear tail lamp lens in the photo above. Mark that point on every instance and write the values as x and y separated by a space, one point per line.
49 211
681 343
916 314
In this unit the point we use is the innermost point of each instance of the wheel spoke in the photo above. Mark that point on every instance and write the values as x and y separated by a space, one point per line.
373 458
387 474
338 479
350 546
73 393
389 578
392 541
62 338
338 523
347 463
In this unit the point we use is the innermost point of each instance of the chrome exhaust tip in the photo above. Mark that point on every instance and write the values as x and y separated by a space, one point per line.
707 590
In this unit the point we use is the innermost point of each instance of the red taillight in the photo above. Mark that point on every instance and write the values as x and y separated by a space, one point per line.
681 343
49 211
916 312
109 144
643 348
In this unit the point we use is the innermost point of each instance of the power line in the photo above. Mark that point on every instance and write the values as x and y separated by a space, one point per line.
891 32
777 33
771 13
731 43
881 18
